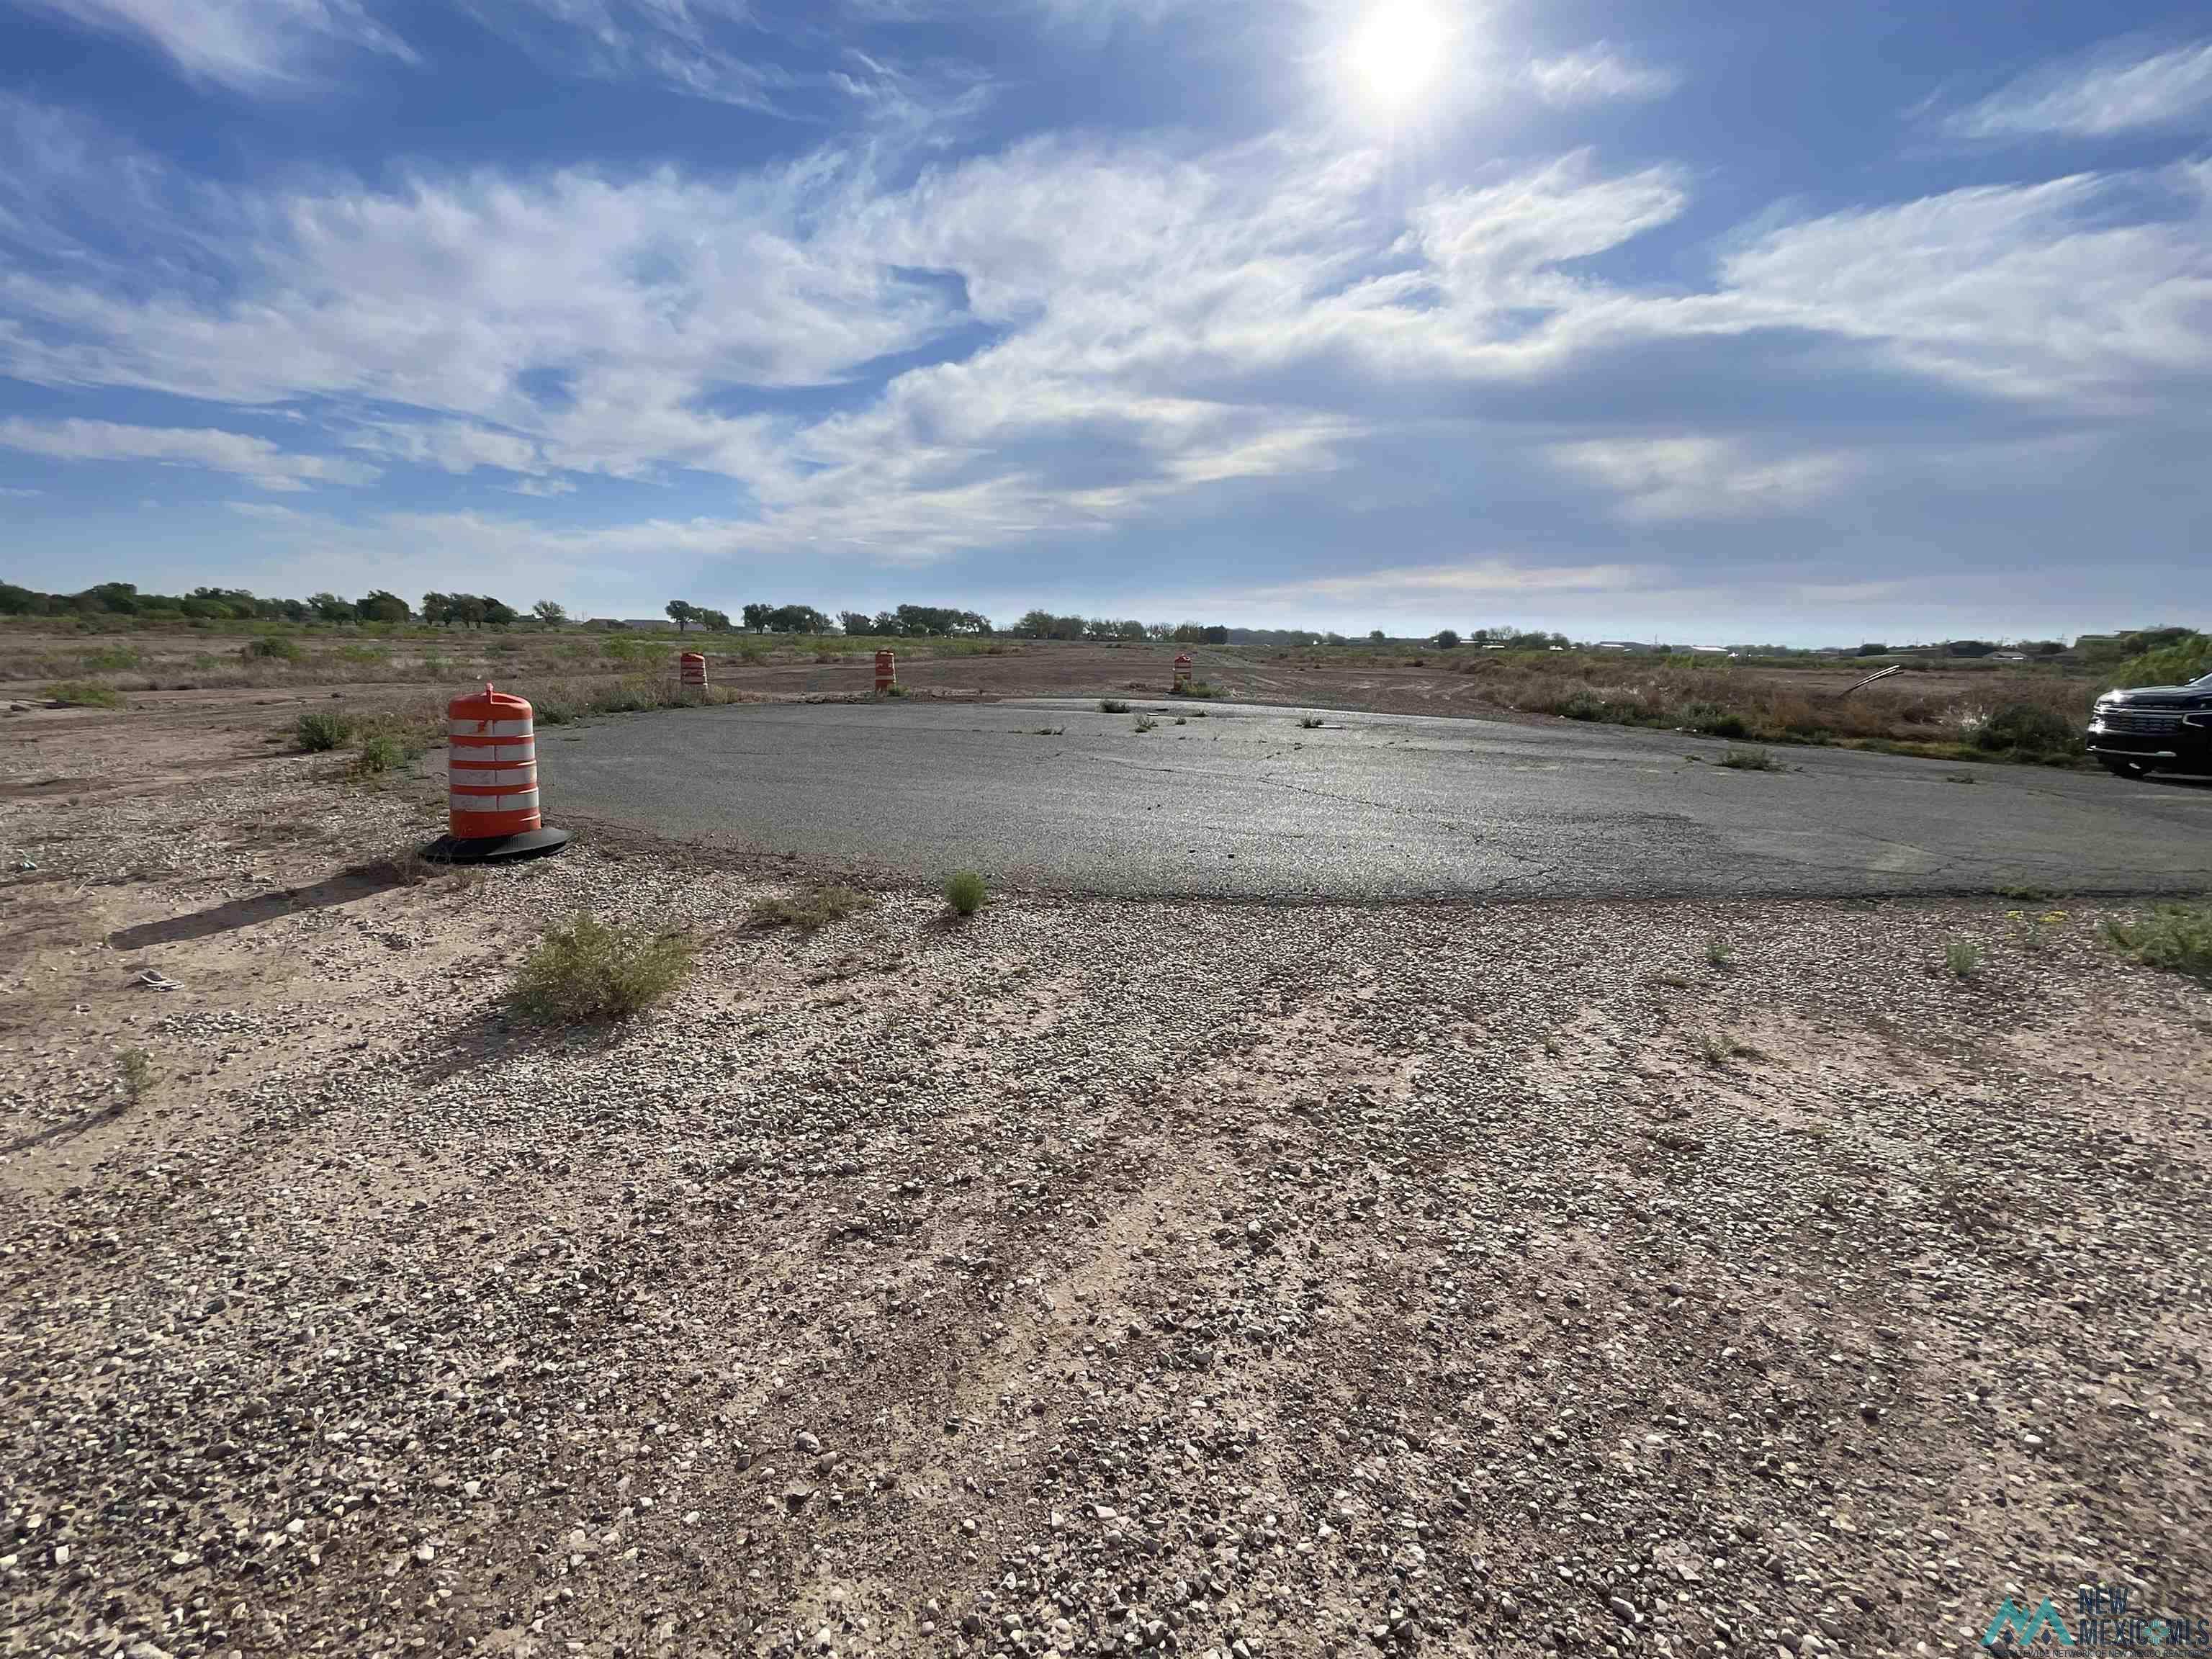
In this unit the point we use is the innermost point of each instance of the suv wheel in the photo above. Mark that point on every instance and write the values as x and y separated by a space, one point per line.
2120 767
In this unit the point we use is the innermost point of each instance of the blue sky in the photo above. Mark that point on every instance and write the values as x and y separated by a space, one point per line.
1719 321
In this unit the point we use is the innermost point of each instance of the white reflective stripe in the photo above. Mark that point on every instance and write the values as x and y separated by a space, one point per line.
492 751
525 775
487 728
462 806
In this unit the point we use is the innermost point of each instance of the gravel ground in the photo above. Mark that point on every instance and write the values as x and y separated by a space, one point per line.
1087 1277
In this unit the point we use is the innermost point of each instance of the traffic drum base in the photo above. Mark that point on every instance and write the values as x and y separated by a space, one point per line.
495 849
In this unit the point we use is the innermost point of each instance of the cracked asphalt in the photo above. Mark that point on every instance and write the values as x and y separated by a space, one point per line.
1242 802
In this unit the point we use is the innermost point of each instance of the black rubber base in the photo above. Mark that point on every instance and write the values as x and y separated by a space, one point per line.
497 849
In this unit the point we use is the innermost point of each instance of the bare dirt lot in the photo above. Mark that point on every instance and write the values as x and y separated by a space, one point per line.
1088 1277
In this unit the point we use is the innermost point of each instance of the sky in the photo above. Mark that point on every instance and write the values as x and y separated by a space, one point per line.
1721 321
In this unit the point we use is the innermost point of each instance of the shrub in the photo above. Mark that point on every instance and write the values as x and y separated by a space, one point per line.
2032 728
810 909
1146 723
134 1075
965 892
2175 937
1718 950
1750 760
274 646
1961 957
1198 688
1112 706
2174 665
84 694
1713 720
322 729
587 969
1309 722
380 752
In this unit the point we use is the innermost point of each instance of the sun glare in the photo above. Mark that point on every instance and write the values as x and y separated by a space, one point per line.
1397 50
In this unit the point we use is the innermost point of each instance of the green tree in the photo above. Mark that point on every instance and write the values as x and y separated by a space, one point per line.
1447 639
680 612
855 623
330 608
1035 625
1376 636
379 606
549 612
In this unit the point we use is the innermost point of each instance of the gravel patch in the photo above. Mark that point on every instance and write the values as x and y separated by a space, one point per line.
1081 1278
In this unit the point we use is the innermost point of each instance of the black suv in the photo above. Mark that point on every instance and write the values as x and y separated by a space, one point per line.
2155 728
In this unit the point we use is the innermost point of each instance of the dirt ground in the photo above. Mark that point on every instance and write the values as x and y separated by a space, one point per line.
1083 1279
172 669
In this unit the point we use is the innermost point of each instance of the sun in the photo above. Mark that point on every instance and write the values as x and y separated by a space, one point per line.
1397 51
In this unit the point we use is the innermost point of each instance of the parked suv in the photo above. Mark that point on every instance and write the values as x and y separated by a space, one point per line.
2155 728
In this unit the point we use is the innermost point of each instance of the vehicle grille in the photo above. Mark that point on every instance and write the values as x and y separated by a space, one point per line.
2140 719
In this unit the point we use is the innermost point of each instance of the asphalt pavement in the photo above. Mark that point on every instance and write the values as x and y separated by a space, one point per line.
1241 801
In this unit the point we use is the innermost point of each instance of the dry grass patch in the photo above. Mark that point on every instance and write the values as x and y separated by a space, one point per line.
585 969
2176 937
810 910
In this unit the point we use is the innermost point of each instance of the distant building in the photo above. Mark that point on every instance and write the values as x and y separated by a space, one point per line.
2008 656
1621 645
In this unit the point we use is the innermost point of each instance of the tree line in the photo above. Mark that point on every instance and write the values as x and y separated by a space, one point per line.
204 604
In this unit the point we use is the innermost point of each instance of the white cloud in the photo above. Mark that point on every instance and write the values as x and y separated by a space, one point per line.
1598 74
2111 91
254 45
682 45
1693 477
2088 288
254 459
10 491
1265 311
1421 585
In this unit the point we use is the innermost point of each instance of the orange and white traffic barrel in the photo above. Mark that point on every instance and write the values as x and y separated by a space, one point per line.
886 671
1182 672
691 670
491 782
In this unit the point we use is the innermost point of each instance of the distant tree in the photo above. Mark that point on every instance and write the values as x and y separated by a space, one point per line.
796 619
121 598
1067 628
437 609
330 608
549 612
1969 647
1130 630
379 606
885 623
1158 630
680 612
20 601
1213 633
756 616
1447 639
1376 636
496 615
1873 648
855 623
1035 625
714 622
